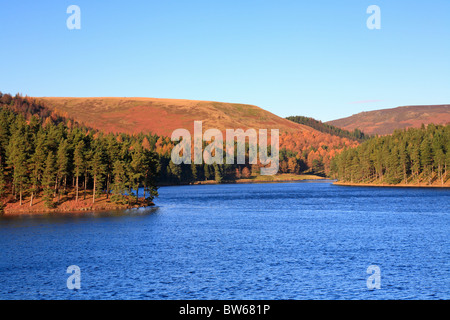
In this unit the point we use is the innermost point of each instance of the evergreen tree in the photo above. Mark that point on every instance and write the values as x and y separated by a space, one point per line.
425 158
112 154
18 160
37 164
175 172
79 164
2 189
62 164
207 171
414 154
48 179
194 172
136 165
149 168
218 173
393 167
97 167
119 186
438 154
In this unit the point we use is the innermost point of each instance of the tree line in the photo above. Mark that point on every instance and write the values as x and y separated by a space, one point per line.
410 156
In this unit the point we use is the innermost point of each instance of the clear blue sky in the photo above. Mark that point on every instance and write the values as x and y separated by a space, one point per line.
313 58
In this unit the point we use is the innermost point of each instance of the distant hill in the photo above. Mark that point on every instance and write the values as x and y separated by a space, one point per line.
356 134
385 121
163 116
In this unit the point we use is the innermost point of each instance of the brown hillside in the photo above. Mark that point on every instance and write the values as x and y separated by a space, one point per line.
385 121
162 116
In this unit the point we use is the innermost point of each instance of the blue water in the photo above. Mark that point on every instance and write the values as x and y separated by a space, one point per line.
255 241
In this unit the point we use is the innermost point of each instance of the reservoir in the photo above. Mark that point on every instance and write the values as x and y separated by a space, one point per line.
302 240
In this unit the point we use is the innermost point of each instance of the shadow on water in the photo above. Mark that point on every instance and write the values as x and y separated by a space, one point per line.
80 215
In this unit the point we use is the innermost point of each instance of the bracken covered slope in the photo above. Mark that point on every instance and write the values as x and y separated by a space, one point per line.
162 116
306 148
385 121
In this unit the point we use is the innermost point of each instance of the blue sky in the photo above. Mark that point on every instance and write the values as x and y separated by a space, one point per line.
312 58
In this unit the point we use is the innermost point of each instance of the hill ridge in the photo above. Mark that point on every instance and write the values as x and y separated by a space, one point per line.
137 114
386 121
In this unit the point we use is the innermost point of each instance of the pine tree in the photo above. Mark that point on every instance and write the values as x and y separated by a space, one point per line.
18 160
97 167
137 164
425 159
2 189
404 160
112 154
207 172
37 164
119 186
393 175
149 168
414 154
438 152
62 164
48 179
4 134
79 164
175 172
218 173
194 172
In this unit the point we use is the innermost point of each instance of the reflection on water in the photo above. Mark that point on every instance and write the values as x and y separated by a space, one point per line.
68 215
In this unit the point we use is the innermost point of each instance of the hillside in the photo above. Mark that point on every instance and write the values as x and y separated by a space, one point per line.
162 116
326 128
385 121
303 149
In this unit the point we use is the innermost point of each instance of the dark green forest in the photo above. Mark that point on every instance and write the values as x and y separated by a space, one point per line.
42 155
411 156
356 134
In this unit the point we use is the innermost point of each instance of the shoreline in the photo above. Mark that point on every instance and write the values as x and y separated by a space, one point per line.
384 185
283 178
69 206
24 212
56 211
